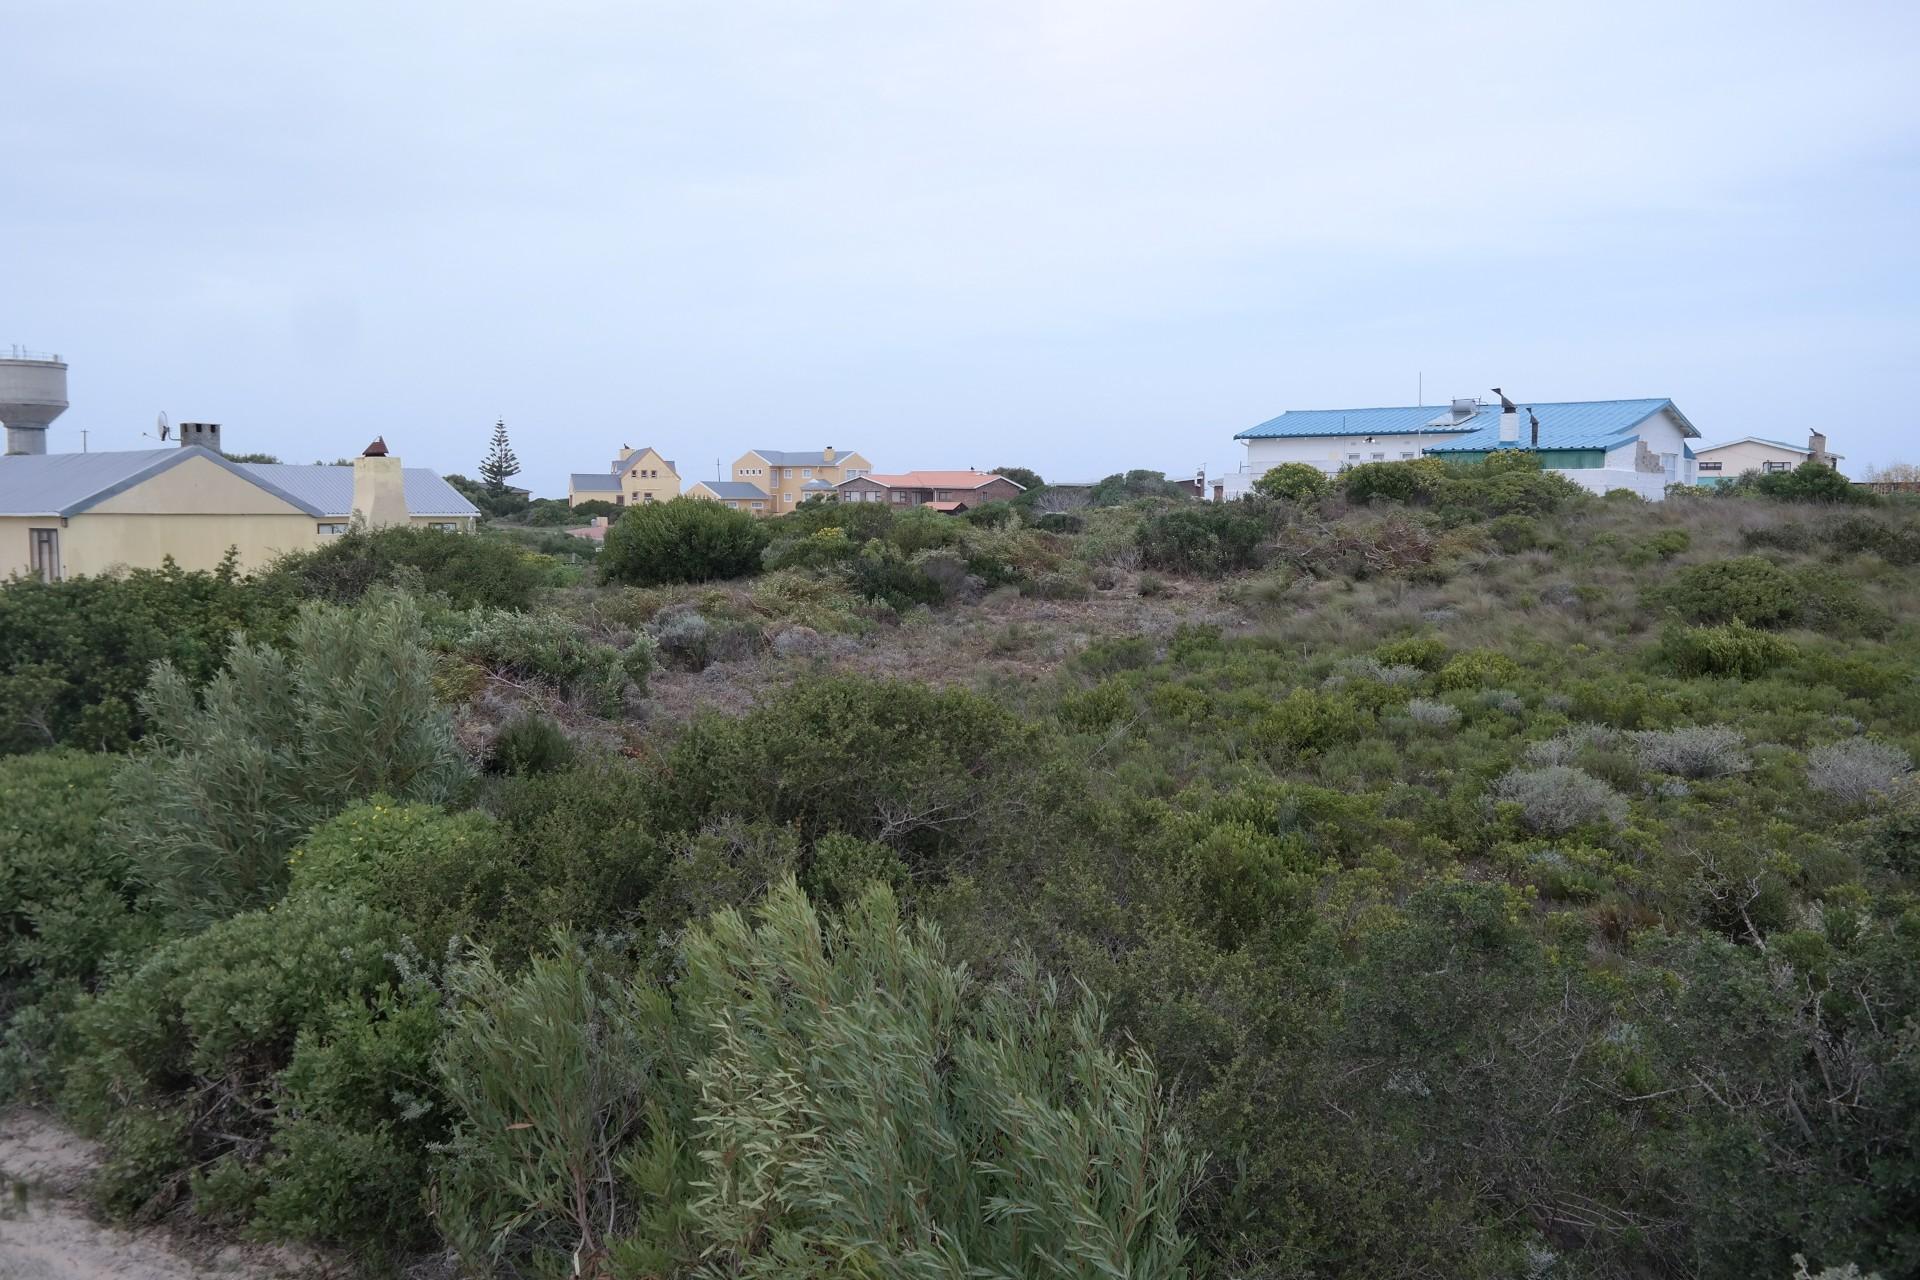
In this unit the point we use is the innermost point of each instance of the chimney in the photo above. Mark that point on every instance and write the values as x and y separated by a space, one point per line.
1509 426
204 434
1817 449
379 489
1533 425
827 454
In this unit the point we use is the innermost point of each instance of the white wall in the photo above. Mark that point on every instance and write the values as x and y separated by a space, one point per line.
1651 485
1330 453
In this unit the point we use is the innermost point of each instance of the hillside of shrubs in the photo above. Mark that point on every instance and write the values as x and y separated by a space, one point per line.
1431 870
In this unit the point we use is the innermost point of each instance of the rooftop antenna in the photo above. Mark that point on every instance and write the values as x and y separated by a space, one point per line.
1420 396
161 424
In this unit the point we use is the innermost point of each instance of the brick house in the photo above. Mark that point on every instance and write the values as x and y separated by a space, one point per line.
950 491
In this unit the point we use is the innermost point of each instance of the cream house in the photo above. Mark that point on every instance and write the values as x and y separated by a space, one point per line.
786 478
738 494
64 514
637 476
1719 463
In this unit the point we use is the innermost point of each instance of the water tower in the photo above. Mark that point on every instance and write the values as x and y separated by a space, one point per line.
33 392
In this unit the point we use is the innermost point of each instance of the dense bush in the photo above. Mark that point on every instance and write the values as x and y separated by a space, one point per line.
470 570
1123 487
530 743
232 778
686 540
1857 771
75 654
1808 482
551 648
1397 481
1693 751
1558 799
1294 481
1746 589
1206 539
1732 650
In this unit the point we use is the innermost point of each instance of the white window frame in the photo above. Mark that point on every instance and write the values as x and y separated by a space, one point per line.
759 506
331 528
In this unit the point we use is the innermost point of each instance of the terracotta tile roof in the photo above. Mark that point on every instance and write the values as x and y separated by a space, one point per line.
946 506
934 479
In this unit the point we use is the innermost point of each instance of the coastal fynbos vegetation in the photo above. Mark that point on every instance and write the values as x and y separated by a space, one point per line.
1428 870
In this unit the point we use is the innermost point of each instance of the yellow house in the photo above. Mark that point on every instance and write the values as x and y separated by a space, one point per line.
731 493
787 479
64 514
637 476
1719 463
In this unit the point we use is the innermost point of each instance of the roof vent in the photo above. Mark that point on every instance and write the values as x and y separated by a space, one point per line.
1463 411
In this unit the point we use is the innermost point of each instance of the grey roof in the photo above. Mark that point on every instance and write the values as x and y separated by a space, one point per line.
817 486
329 490
65 484
732 489
813 458
593 482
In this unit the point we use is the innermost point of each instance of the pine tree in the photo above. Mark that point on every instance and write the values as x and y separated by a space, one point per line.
499 465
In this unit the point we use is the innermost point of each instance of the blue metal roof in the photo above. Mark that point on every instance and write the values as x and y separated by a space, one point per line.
1576 424
1402 421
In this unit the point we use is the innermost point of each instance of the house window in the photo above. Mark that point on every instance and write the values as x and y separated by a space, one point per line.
44 557
899 497
332 529
619 499
444 526
1379 457
806 473
1405 456
1709 466
1776 467
646 497
1353 457
759 506
787 497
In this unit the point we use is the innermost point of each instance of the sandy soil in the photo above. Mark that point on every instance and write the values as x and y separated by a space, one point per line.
46 1233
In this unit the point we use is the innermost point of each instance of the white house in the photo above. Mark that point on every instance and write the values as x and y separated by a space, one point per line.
1730 459
1598 444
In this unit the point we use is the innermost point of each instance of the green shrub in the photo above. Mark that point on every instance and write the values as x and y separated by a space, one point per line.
1733 650
1427 652
1745 589
1059 522
1205 539
1124 487
278 743
922 529
922 1103
686 540
1514 533
471 570
550 647
1808 482
530 743
1396 481
1294 481
827 548
75 654
1478 669
179 1069
880 573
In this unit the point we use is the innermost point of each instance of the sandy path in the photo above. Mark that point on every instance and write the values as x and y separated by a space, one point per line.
45 1233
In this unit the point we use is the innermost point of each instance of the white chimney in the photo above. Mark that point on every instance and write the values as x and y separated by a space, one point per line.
379 489
1509 426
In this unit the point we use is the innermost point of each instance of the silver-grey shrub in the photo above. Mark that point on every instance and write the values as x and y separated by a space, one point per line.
1565 747
1692 751
279 741
1433 715
1558 798
1858 771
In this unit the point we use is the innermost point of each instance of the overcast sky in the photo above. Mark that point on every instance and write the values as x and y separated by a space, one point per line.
1079 236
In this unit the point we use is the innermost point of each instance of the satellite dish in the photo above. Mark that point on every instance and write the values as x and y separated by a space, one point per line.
162 424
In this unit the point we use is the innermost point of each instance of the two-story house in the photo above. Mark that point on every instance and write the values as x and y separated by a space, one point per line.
952 491
637 476
784 478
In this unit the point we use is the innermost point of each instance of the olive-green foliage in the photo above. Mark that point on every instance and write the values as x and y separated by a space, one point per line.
74 655
278 742
1294 481
471 571
1203 539
1514 533
1746 589
1126 486
926 771
548 646
827 548
530 743
686 540
1808 482
1733 650
922 529
860 1100
567 1088
70 905
1397 481
178 1070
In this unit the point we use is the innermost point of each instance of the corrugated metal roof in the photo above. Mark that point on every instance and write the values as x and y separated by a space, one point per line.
1579 424
593 482
65 484
1575 424
48 484
809 458
934 479
330 489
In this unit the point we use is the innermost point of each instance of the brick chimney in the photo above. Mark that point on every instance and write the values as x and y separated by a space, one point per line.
1817 449
204 434
379 488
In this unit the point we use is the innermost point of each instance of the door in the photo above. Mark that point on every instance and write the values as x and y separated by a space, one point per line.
44 557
